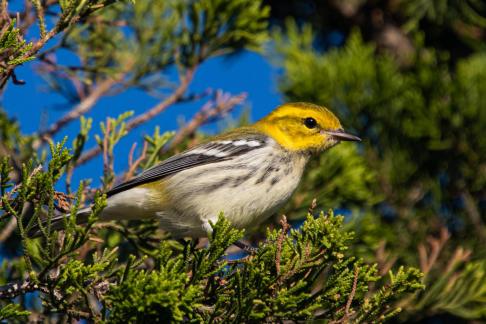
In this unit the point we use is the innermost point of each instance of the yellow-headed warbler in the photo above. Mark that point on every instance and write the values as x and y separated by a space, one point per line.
247 173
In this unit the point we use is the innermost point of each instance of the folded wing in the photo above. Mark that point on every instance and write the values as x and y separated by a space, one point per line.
211 152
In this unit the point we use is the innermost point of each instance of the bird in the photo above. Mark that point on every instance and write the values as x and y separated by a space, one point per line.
247 174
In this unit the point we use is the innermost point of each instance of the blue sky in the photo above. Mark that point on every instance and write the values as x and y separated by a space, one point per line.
33 105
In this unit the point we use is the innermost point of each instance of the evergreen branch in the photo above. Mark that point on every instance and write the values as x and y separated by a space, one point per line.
40 17
68 18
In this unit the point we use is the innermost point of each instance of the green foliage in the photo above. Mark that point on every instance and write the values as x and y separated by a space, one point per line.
403 281
113 130
302 275
461 293
421 167
156 143
417 115
422 130
154 36
157 296
299 274
14 50
12 311
33 203
440 11
346 161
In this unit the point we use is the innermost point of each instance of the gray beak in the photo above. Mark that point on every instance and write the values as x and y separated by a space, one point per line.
340 135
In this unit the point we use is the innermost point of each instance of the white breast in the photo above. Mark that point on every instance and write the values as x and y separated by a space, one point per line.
246 190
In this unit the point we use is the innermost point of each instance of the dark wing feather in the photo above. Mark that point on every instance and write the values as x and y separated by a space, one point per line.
183 161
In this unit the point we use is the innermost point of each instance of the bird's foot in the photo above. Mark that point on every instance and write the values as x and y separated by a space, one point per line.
245 247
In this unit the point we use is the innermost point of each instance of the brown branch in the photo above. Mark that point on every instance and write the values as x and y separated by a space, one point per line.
222 104
347 312
427 261
281 237
108 166
82 108
8 229
312 206
132 166
175 97
10 291
474 215
88 155
460 255
385 263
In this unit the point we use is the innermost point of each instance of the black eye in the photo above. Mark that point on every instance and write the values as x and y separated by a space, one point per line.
310 122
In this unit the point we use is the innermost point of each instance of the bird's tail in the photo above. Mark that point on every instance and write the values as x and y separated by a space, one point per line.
58 221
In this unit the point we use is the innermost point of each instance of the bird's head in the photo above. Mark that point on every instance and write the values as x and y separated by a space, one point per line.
304 127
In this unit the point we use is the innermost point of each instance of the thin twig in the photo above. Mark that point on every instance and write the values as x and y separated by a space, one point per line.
347 313
474 215
221 105
82 108
132 166
460 255
312 206
427 261
13 290
8 229
385 263
175 97
108 166
281 237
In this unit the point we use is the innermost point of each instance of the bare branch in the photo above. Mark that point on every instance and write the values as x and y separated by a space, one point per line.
281 237
427 261
347 312
82 108
175 97
474 215
222 104
383 259
8 229
10 291
132 166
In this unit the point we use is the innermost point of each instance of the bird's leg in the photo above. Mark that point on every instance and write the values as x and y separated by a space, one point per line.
182 241
245 247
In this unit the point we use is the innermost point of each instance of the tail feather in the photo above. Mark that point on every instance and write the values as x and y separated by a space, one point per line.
57 221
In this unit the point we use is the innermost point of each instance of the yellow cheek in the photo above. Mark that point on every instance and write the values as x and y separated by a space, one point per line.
304 141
